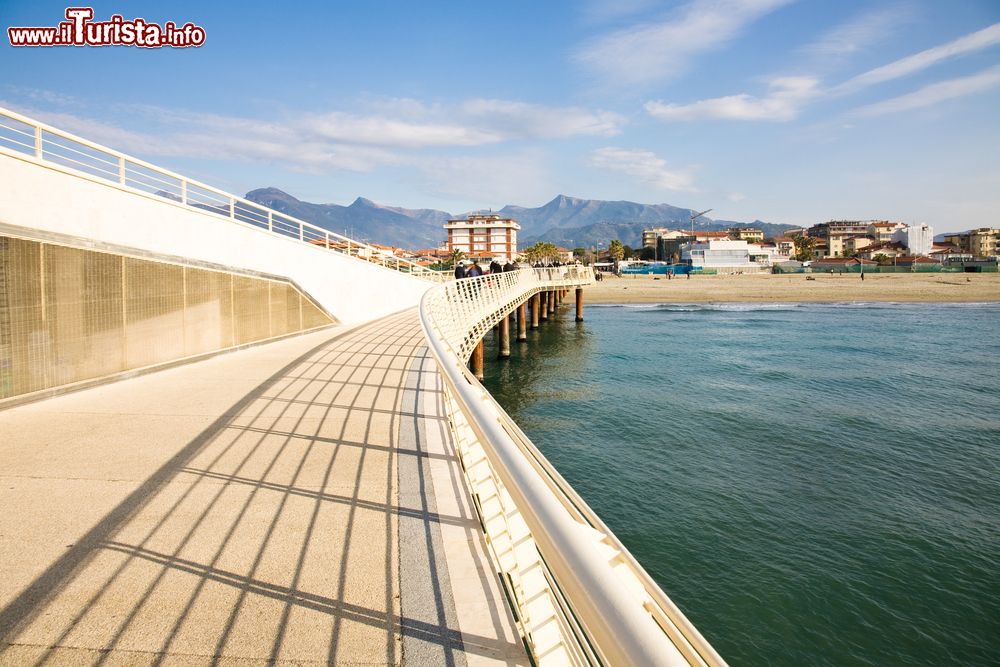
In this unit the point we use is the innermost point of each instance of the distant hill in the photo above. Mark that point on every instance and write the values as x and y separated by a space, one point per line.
363 219
566 221
572 212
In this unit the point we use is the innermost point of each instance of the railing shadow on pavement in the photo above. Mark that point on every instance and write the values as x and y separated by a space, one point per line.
213 516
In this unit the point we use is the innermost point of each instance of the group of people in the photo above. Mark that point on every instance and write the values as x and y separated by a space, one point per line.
471 269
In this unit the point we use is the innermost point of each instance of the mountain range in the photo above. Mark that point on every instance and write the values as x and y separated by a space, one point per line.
565 221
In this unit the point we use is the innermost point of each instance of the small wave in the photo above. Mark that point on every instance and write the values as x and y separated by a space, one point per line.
746 306
742 307
754 306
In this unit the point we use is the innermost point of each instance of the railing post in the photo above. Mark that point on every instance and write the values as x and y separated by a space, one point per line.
121 170
270 221
302 232
184 191
38 142
232 208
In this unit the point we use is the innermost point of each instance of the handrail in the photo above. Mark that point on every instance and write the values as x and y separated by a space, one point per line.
606 606
25 138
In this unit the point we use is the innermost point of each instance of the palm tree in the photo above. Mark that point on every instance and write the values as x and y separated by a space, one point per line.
617 252
454 257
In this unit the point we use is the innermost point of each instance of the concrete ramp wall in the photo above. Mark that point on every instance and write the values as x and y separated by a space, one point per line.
41 196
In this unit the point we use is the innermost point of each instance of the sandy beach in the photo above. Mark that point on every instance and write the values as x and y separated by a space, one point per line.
825 288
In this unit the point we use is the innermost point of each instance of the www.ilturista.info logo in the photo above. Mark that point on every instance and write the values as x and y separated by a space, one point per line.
80 30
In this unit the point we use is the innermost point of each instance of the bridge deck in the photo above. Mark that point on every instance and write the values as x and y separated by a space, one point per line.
297 501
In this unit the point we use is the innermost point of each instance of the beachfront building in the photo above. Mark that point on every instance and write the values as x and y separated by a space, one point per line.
649 236
785 246
565 255
855 244
748 234
982 242
946 253
835 232
723 256
882 230
779 251
668 246
483 235
918 239
889 250
704 237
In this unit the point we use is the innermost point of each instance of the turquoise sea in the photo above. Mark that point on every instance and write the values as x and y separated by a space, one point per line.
811 484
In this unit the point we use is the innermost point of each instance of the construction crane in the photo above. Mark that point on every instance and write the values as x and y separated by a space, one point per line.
695 216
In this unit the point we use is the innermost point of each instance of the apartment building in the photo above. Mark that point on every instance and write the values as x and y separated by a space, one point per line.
882 230
835 232
649 236
748 234
483 235
982 242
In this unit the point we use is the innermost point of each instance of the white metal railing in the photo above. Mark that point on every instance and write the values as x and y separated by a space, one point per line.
26 138
579 596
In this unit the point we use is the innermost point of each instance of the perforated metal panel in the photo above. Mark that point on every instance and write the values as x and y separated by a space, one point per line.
71 314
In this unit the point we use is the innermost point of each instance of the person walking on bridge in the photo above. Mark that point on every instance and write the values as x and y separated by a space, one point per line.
460 269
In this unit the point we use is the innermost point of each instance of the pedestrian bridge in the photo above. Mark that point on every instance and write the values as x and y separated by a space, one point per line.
337 488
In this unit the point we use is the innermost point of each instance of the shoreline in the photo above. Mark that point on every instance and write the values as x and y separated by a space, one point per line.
796 288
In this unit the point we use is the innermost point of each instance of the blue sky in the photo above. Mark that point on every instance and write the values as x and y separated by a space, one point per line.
786 111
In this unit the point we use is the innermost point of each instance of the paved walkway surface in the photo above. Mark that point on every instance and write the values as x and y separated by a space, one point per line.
298 501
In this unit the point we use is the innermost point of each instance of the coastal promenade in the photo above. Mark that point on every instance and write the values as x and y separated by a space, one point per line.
296 502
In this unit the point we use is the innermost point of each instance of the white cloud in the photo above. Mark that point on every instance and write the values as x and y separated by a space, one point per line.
208 136
784 102
650 52
859 34
501 178
393 133
789 95
935 93
970 43
736 197
645 166
383 131
518 120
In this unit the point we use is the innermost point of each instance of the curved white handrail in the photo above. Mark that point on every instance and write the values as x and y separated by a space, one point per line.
605 605
26 138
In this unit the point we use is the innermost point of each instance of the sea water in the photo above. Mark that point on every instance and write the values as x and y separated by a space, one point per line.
811 484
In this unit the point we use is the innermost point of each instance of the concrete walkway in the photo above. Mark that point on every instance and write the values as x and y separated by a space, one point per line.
299 501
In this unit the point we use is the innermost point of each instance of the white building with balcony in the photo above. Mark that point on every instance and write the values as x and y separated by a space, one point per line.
483 235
